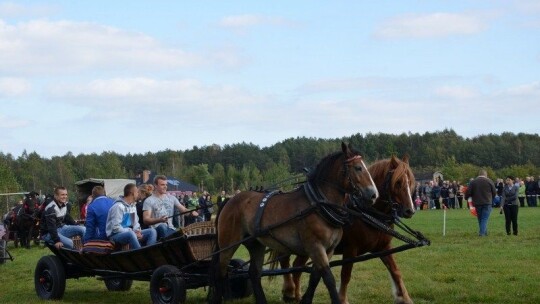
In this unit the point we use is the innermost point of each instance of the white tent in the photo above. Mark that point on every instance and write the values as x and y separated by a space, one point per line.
113 187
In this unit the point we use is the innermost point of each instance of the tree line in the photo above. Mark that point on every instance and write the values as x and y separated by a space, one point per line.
244 165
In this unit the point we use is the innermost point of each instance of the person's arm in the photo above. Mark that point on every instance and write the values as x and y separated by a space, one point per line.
183 209
114 220
149 220
69 220
50 223
90 233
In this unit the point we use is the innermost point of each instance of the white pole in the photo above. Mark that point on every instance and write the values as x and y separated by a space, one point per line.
444 222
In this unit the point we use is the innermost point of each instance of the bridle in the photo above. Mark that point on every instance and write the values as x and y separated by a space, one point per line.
347 173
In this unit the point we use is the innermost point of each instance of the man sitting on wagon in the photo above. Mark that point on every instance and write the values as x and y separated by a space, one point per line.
96 215
158 209
123 223
57 226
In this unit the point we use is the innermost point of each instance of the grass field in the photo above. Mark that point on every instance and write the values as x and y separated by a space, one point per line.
459 267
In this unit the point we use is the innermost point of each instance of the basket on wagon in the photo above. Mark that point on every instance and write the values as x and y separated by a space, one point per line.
201 238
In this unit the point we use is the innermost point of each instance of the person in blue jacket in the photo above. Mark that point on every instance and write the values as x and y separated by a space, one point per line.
96 215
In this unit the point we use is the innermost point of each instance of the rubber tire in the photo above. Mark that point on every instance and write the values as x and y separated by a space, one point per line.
175 286
50 278
118 284
240 287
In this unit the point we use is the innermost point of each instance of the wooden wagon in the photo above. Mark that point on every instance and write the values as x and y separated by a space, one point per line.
179 262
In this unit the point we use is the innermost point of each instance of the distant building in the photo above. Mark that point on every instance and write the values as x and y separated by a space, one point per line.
427 176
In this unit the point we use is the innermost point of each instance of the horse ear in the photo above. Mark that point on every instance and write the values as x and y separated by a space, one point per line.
405 158
394 162
345 148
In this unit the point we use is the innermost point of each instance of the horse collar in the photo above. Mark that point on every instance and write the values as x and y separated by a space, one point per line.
331 213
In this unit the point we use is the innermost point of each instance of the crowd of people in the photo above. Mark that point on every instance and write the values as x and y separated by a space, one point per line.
139 217
482 194
437 194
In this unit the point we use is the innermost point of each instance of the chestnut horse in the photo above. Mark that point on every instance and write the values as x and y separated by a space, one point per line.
395 182
307 222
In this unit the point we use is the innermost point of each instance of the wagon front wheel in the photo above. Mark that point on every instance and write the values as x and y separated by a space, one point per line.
240 287
50 278
166 285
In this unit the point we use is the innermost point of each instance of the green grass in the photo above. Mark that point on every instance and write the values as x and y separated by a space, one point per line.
457 268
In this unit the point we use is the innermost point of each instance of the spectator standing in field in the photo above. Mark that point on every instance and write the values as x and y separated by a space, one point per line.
427 193
222 198
192 203
462 189
96 215
530 192
482 191
509 205
158 209
521 193
436 195
445 192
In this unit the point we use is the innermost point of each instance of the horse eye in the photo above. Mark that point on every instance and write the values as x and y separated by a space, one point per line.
358 168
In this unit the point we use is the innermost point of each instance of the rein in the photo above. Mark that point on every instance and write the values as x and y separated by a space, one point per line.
333 214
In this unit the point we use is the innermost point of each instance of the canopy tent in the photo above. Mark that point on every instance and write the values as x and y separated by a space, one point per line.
173 184
113 187
178 185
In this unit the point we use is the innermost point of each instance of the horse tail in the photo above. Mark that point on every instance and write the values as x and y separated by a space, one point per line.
217 283
273 260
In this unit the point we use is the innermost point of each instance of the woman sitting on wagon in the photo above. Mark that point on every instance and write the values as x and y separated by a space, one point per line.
123 223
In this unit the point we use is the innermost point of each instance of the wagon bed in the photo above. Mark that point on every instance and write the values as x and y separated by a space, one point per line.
179 262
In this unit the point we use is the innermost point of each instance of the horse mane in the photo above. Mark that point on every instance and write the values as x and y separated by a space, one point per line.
380 168
324 163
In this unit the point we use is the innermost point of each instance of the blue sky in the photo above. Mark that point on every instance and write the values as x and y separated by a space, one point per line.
138 76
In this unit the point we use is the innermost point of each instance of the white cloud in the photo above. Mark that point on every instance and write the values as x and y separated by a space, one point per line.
12 9
456 92
56 47
530 91
243 22
12 87
9 122
433 25
123 97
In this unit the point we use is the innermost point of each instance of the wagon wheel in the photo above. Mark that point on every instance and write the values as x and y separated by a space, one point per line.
118 284
240 287
166 285
50 278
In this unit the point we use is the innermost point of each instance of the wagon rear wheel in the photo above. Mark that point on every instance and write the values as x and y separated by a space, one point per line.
166 285
118 284
50 278
240 287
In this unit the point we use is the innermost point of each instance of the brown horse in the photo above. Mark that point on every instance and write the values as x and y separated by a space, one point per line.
395 181
306 222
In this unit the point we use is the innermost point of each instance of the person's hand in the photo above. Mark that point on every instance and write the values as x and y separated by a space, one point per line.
195 213
138 234
58 245
163 219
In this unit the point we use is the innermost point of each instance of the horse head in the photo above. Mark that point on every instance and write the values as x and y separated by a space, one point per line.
31 202
396 183
358 178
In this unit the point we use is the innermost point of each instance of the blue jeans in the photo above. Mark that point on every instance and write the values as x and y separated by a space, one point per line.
65 233
163 230
149 237
483 212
